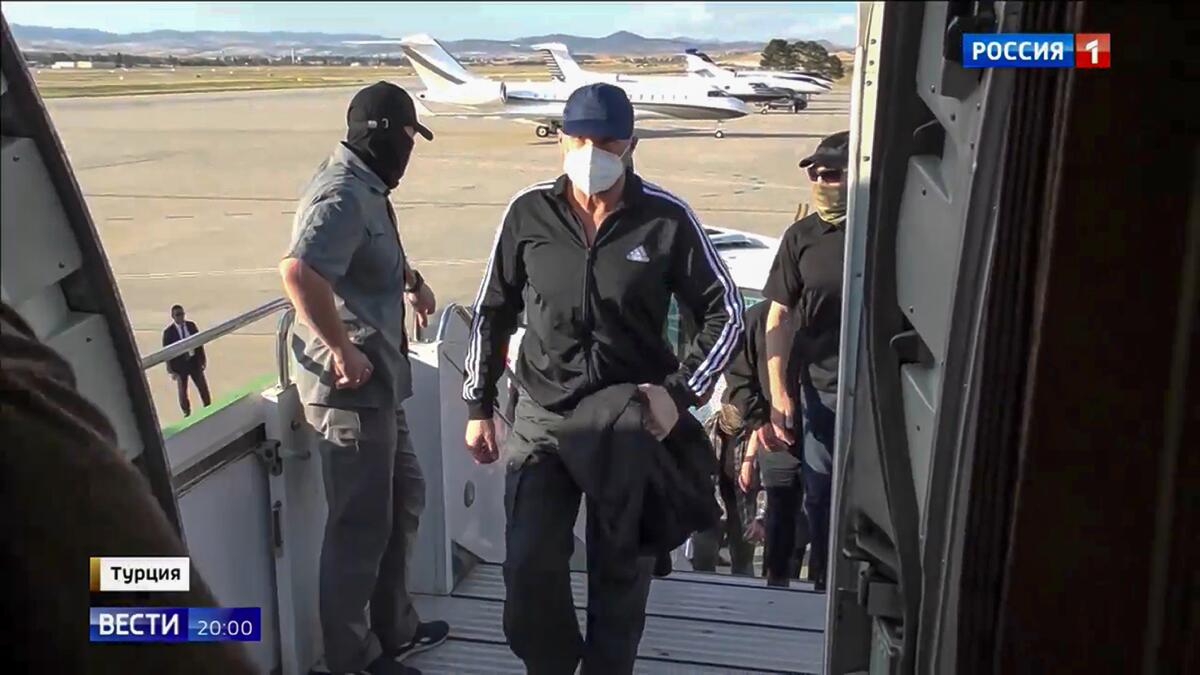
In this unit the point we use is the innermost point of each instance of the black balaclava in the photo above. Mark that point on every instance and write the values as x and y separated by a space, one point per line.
375 130
383 150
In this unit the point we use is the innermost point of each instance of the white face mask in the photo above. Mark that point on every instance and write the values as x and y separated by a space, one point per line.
591 169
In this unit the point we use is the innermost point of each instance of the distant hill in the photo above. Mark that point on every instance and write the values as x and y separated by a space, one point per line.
187 43
280 43
621 42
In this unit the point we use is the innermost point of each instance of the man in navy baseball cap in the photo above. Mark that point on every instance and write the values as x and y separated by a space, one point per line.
597 139
592 260
599 111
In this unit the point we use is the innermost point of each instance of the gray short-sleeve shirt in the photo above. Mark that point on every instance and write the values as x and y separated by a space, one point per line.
345 230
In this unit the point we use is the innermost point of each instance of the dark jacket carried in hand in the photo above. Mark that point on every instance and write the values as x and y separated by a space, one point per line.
183 363
647 497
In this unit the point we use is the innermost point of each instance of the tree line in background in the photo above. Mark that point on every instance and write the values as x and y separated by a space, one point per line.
779 54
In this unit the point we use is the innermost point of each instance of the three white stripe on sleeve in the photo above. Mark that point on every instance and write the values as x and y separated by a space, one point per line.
472 387
722 350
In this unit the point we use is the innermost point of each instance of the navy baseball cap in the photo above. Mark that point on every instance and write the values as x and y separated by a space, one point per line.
598 110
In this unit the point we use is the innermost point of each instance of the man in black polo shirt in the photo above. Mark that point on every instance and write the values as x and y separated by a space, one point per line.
593 258
805 290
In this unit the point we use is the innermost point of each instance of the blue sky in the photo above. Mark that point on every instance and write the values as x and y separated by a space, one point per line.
455 20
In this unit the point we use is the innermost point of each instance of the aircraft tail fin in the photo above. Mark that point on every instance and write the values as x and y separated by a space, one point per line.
699 62
434 65
559 62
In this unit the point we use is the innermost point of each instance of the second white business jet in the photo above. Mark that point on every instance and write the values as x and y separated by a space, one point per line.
563 67
801 85
451 89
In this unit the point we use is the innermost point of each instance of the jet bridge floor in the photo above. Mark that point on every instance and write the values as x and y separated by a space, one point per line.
696 623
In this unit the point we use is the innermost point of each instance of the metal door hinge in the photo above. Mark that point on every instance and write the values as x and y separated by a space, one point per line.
277 528
957 81
880 597
272 453
910 348
268 453
981 20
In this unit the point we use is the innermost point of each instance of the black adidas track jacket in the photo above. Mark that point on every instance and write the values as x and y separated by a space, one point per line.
595 316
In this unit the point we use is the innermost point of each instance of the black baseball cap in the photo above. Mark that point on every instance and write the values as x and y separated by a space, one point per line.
833 151
384 105
598 110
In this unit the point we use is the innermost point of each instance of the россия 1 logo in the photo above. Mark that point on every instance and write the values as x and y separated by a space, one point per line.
1036 50
1092 50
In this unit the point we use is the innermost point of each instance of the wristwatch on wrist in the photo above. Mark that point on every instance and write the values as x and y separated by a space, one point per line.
418 282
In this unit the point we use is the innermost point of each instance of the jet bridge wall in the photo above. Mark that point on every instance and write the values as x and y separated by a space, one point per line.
54 273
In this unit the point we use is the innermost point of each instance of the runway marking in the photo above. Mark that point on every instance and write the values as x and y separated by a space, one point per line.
203 273
124 162
255 271
206 198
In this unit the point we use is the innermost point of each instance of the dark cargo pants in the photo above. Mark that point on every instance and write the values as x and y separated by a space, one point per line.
376 493
541 503
787 526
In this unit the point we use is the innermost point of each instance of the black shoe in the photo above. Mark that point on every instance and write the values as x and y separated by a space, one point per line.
429 635
663 565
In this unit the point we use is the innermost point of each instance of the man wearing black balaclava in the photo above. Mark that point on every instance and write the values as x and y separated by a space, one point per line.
349 279
384 148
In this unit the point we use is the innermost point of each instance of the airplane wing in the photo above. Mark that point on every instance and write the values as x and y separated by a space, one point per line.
531 116
534 112
498 114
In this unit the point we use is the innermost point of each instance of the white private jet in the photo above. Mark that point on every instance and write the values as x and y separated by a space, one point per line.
564 68
454 90
800 85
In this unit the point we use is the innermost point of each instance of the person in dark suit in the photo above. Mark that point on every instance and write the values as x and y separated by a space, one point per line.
189 364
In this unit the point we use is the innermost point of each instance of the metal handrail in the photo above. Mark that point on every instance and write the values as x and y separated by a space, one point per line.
283 328
282 358
452 308
220 330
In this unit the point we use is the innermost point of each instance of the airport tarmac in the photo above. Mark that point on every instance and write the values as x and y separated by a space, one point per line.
194 194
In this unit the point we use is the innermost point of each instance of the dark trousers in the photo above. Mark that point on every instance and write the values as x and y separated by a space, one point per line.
819 429
787 528
541 502
376 493
196 373
818 489
707 544
540 621
786 533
